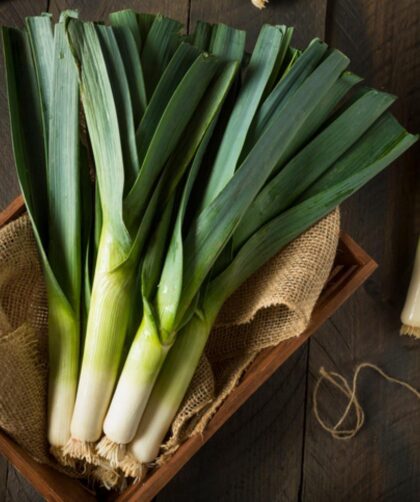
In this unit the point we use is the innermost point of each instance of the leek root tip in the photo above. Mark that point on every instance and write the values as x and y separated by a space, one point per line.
132 468
62 458
81 450
111 451
410 330
106 476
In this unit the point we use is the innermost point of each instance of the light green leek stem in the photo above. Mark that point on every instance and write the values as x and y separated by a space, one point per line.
170 387
108 319
63 337
141 369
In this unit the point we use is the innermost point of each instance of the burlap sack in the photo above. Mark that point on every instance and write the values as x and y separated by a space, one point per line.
273 305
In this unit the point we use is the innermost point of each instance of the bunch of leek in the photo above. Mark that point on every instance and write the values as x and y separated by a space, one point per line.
207 161
257 176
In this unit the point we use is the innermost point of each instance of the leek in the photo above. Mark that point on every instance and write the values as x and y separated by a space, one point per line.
410 316
126 222
44 111
188 264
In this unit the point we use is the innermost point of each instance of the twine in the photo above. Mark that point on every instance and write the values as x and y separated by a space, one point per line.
341 383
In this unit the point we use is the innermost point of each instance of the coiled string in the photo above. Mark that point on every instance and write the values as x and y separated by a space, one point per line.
338 381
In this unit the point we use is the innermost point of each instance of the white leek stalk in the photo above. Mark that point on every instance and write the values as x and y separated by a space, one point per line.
63 340
109 315
142 366
410 316
170 389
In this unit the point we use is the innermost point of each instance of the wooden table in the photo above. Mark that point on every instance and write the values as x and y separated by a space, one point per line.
273 449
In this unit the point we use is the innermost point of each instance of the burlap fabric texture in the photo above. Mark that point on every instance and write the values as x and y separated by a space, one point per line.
273 305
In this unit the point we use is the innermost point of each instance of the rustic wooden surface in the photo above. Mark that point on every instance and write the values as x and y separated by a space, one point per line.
273 449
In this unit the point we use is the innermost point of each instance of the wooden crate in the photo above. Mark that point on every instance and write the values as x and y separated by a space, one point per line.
351 269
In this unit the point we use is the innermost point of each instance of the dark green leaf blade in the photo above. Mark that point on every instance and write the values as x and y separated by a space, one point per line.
202 35
227 43
304 66
128 36
214 226
179 65
123 104
174 120
27 129
42 44
160 44
258 73
312 161
28 144
277 233
128 21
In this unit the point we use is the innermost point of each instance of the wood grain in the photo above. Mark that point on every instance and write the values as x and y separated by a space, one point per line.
54 485
383 461
19 490
222 471
307 16
4 466
99 10
13 486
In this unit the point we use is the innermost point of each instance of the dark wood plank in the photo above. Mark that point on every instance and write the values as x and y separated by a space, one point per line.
251 456
383 461
307 16
18 489
55 486
12 13
99 10
12 211
257 454
4 466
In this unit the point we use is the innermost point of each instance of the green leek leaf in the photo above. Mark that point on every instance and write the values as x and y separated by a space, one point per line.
181 62
42 43
127 33
387 140
258 74
312 161
122 99
178 113
102 120
202 36
161 42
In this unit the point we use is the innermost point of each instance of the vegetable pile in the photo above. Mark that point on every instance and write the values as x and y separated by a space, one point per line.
160 171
